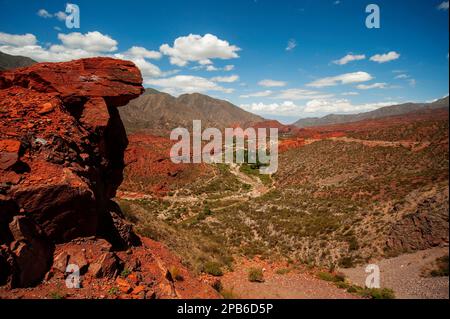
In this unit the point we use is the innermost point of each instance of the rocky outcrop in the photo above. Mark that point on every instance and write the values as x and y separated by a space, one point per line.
62 146
424 227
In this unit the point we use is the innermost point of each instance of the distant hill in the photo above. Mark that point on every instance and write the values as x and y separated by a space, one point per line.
9 62
376 114
159 112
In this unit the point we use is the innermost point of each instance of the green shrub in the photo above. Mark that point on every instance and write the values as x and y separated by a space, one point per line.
346 262
331 277
213 268
442 267
255 275
376 293
125 273
282 271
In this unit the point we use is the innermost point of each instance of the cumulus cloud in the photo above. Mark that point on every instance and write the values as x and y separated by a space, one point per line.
143 53
372 86
44 14
61 16
291 45
226 79
346 78
272 83
91 41
76 46
287 108
301 94
200 49
257 94
383 58
349 58
340 106
443 6
180 84
17 39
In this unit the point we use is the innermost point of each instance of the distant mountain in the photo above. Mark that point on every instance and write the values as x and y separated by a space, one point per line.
9 62
378 113
159 112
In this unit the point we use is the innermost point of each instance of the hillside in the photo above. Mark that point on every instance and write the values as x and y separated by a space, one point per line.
158 113
378 113
339 199
9 62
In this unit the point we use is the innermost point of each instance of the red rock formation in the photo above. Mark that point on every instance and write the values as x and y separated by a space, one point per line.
62 149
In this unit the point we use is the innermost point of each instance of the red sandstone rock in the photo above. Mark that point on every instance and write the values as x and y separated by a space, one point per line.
62 145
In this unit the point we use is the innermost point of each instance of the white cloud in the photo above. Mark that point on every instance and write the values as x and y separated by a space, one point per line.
257 94
402 76
291 45
272 83
143 53
350 93
212 68
226 79
372 86
346 78
349 58
91 41
186 84
200 49
44 14
77 46
285 108
383 58
147 69
341 106
61 16
301 94
17 40
443 6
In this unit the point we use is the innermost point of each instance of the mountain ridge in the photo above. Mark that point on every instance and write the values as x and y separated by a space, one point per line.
160 112
392 110
10 62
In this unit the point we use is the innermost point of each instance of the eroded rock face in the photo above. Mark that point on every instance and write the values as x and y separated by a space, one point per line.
425 227
62 149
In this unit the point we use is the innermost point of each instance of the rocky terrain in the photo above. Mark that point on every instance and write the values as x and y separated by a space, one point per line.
344 195
62 146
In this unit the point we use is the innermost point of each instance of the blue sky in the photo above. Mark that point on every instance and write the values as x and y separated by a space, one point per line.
281 59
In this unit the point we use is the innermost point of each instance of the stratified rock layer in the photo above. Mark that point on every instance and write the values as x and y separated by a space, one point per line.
62 149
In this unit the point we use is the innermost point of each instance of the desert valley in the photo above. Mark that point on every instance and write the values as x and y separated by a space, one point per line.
224 158
87 179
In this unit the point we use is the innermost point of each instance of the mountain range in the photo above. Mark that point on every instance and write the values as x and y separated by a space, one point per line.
9 62
159 112
386 111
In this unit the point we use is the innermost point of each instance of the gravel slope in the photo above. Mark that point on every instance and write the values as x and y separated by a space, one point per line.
402 274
